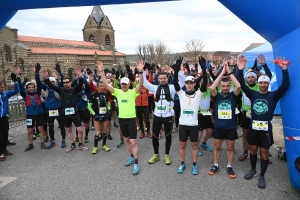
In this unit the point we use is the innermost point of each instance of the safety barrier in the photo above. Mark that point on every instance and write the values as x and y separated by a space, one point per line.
17 114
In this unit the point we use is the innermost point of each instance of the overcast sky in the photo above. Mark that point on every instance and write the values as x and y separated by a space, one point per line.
171 22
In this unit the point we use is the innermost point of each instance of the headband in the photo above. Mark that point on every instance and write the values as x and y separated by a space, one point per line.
251 73
264 78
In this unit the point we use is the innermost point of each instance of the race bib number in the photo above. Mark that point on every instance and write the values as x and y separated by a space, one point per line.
188 112
69 111
102 110
237 111
205 113
124 101
260 125
28 122
224 114
161 109
248 114
53 113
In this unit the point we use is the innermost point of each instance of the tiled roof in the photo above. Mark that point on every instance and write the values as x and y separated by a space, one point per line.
252 46
74 51
22 46
23 38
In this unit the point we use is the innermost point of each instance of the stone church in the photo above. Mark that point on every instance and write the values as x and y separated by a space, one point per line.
98 44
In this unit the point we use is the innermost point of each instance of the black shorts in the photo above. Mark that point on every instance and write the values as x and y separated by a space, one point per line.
75 118
109 116
204 122
221 134
34 120
188 131
263 139
84 115
245 121
128 127
212 104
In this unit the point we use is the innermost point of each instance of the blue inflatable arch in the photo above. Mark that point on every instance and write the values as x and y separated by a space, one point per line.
277 21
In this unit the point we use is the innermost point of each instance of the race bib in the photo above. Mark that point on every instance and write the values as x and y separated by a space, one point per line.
53 113
205 113
28 122
224 114
69 111
102 110
188 112
248 114
161 109
260 125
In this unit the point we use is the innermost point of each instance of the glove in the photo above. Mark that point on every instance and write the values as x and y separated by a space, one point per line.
13 77
89 71
130 76
196 67
122 74
179 62
25 79
127 68
175 68
37 68
113 71
136 71
117 75
151 67
57 68
106 71
186 65
202 63
147 66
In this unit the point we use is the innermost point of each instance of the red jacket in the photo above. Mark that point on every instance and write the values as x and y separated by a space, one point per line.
142 99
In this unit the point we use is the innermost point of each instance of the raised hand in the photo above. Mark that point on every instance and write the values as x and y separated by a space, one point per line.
179 61
232 61
13 77
54 75
45 73
100 66
57 68
37 68
140 65
242 62
78 71
202 63
282 63
17 70
261 59
91 77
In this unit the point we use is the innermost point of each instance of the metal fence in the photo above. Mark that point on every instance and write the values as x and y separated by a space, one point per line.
17 114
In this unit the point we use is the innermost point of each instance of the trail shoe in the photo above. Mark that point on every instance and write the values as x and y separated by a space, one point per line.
230 172
46 138
109 136
43 146
136 169
121 143
181 169
95 150
167 159
261 182
86 140
250 174
105 148
51 145
243 157
154 159
29 147
195 170
71 148
82 147
206 147
130 161
63 144
213 170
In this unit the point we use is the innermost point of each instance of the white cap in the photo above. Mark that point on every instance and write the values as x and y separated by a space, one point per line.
189 78
52 79
125 80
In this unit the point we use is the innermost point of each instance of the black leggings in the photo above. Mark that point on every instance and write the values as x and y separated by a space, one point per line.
140 110
61 126
168 126
4 127
151 104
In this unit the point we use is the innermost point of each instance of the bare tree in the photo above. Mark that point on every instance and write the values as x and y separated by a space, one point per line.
193 49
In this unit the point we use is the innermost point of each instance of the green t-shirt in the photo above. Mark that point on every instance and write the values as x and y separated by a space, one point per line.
126 103
246 103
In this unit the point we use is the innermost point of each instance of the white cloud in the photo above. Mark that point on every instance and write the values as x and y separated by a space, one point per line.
171 22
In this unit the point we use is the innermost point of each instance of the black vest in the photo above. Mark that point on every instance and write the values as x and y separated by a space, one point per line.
166 93
68 98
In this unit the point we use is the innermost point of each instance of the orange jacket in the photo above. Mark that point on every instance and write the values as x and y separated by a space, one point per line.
142 99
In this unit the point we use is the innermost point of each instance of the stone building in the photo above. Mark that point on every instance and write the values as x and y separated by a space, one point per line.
25 51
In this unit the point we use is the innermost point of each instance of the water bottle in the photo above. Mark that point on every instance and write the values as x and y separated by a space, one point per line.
285 62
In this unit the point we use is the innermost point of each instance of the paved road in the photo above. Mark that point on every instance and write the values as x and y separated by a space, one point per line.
54 174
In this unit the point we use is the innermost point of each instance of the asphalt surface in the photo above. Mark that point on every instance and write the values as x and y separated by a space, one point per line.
54 174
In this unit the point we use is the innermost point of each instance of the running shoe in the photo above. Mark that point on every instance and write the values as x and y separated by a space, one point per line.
109 136
206 147
95 150
213 170
261 182
51 145
230 172
29 147
181 169
43 146
63 144
195 170
149 135
199 152
154 159
121 143
82 147
105 148
136 169
250 174
167 159
2 157
7 153
76 140
243 157
130 161
142 135
71 148
86 140
46 138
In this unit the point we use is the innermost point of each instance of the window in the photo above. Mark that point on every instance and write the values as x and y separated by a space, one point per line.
107 40
92 38
8 57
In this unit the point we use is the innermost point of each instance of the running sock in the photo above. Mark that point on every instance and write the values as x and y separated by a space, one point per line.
122 139
79 144
264 165
229 166
132 155
216 165
136 161
96 141
73 144
182 162
194 163
104 139
87 130
253 160
204 143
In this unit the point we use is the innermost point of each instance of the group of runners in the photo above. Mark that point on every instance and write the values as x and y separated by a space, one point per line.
200 100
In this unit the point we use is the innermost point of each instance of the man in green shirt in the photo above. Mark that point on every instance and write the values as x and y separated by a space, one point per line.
127 114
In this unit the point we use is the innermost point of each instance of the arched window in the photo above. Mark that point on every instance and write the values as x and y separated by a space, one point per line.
8 57
70 74
107 40
92 38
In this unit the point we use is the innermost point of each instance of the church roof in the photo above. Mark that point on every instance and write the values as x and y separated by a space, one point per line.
74 51
23 38
97 14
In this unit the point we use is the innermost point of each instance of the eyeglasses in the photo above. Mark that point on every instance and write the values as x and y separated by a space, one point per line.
66 82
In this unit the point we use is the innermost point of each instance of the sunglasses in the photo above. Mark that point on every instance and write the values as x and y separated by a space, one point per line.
66 82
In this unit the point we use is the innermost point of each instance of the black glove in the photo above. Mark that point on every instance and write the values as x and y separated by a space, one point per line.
186 65
147 66
179 61
25 79
113 71
202 63
89 71
136 71
122 74
117 75
37 68
131 77
152 66
13 77
57 68
106 71
127 68
196 67
174 67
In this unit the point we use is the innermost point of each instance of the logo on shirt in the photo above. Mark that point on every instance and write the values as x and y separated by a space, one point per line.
260 106
224 105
